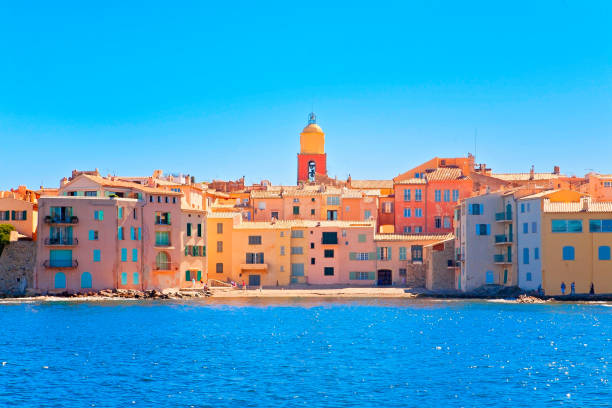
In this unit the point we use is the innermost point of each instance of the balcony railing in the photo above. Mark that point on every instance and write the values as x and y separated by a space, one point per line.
502 238
162 243
503 216
73 219
56 263
61 241
164 266
501 258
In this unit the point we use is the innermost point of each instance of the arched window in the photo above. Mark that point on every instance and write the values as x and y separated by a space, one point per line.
568 253
86 280
312 166
604 253
60 280
162 261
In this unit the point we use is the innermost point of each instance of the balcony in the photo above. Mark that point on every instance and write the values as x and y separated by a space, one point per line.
165 266
73 219
503 217
164 244
254 267
502 259
61 241
60 264
502 239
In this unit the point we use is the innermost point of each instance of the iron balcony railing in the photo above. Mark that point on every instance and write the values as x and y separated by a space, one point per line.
503 216
73 219
60 263
502 238
61 241
164 266
501 258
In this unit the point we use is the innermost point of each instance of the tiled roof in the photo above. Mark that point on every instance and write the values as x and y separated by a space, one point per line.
444 173
371 184
576 207
413 237
127 184
525 176
265 194
304 224
412 181
221 214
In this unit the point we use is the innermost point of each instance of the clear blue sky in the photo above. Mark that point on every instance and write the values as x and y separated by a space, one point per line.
222 89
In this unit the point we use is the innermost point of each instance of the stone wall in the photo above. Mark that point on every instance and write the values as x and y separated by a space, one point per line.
17 267
439 275
415 275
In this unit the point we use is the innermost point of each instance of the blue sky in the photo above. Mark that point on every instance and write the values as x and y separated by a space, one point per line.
223 89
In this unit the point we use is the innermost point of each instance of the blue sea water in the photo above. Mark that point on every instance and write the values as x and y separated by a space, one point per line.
299 353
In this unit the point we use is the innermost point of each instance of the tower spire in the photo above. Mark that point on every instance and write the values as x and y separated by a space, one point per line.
312 118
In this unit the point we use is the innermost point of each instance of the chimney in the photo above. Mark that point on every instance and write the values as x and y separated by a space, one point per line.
63 181
556 170
532 172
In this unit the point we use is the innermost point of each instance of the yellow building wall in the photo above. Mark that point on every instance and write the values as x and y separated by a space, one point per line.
300 258
586 268
214 257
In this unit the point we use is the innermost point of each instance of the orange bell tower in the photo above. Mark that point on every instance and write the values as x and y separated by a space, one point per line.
312 159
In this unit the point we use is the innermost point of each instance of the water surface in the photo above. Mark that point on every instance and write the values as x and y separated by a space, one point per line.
243 353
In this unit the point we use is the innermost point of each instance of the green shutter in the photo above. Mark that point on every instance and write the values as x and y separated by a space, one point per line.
371 275
7 215
199 275
194 250
187 276
186 250
204 250
353 256
352 275
24 215
378 253
13 215
389 251
372 255
168 218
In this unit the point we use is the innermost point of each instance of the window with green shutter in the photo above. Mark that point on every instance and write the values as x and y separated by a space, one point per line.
199 230
188 229
187 276
199 276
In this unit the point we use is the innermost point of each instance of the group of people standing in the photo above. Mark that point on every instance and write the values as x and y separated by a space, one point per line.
573 288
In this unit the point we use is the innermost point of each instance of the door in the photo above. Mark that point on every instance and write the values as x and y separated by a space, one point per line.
254 280
384 277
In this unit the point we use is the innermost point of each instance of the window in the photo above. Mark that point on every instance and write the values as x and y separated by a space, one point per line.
483 229
568 253
134 255
534 227
384 253
406 212
99 215
162 238
333 200
476 209
416 252
407 195
528 205
139 234
528 277
455 195
328 253
361 238
312 261
96 255
261 205
387 207
120 233
124 278
446 195
536 253
418 212
188 229
60 280
402 254
18 215
367 214
525 228
296 210
418 229
437 195
254 239
134 213
522 207
187 275
328 271
219 246
162 218
86 281
437 222
359 256
604 253
332 215
312 245
526 256
362 275
297 269
489 277
123 254
447 222
297 250
566 225
297 233
120 212
600 225
93 235
274 214
219 228
132 234
330 238
407 230
312 212
418 194
219 267
282 250
254 258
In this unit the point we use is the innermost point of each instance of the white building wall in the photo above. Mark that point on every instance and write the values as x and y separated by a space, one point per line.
529 212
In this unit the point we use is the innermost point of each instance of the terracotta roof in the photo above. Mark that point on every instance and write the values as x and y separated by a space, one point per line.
304 224
413 237
576 207
226 214
126 184
371 184
525 176
412 181
445 173
265 194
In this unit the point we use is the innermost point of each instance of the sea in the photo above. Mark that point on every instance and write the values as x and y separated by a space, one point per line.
305 353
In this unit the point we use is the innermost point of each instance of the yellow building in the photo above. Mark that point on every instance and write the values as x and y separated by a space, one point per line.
576 244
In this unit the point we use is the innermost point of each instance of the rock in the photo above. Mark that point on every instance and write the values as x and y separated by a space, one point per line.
529 299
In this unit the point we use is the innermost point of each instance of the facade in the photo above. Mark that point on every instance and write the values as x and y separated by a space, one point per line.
19 208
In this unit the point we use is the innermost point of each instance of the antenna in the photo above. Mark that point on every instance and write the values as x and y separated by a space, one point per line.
475 135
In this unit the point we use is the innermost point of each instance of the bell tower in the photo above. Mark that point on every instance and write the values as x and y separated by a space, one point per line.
312 160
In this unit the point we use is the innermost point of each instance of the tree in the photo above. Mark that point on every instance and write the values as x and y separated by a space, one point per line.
5 235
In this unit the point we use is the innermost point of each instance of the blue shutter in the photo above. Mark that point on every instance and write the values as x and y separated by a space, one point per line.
481 209
470 209
488 229
139 234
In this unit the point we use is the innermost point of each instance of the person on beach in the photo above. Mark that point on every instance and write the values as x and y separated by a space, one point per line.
193 282
592 291
573 288
563 288
243 285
